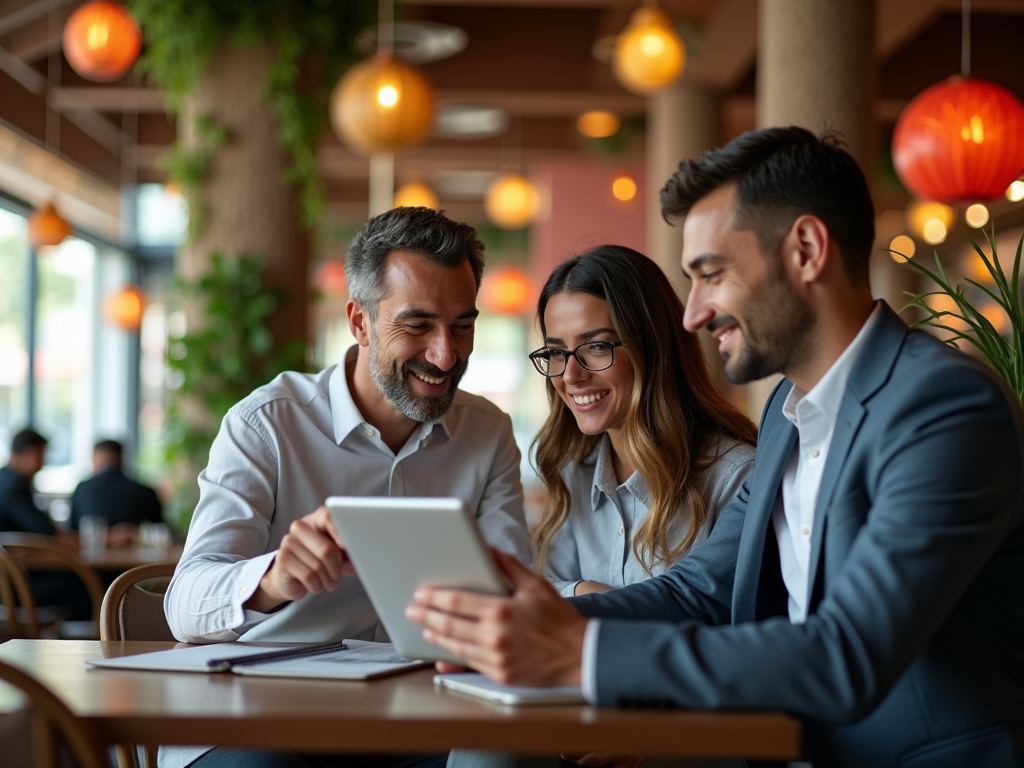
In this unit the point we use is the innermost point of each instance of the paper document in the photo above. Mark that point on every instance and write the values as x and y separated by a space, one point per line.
361 661
516 695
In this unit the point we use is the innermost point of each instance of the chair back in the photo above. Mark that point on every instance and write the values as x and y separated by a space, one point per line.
14 592
132 613
34 551
52 718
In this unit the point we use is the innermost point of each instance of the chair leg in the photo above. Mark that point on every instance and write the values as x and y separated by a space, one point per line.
127 757
150 756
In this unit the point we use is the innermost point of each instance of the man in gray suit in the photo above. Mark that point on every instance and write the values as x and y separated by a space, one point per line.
869 577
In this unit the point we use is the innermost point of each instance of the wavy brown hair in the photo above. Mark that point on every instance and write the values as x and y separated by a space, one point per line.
675 414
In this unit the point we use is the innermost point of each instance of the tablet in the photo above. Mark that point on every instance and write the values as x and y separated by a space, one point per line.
400 544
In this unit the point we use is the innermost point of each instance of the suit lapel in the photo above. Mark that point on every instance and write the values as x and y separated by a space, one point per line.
870 372
775 445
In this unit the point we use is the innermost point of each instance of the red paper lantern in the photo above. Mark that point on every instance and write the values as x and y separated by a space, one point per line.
101 41
960 140
507 290
124 309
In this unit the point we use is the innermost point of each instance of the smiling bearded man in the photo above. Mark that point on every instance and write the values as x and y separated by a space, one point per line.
259 563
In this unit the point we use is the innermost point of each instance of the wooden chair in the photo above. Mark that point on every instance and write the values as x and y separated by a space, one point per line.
132 613
37 552
53 722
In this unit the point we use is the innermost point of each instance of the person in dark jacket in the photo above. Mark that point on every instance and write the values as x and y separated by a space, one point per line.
19 514
111 495
18 511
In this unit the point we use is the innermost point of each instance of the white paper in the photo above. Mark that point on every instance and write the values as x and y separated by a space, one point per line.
517 695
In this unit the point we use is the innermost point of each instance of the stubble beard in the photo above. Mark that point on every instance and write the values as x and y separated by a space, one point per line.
392 382
774 332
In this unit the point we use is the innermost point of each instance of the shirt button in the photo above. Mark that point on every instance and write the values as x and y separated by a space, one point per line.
371 432
806 530
621 530
814 453
241 591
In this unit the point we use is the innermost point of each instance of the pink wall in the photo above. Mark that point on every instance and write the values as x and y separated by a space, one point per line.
583 212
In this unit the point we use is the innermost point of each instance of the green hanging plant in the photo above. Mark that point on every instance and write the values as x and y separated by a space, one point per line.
217 364
1005 355
190 167
313 42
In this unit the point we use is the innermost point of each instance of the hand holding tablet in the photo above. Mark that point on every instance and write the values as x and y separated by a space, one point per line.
398 545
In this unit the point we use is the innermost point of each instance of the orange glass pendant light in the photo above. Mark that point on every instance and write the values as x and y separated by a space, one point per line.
101 41
47 227
124 308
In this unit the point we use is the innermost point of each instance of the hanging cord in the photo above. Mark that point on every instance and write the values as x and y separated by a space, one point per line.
965 40
386 27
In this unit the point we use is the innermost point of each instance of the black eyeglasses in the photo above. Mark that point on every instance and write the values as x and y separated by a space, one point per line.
592 355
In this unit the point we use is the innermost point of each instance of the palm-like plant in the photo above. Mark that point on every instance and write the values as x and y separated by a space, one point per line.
1006 355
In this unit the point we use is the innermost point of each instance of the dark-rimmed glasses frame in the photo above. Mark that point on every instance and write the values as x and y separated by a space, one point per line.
542 358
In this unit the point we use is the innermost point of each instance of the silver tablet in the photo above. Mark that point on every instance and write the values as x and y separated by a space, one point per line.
400 544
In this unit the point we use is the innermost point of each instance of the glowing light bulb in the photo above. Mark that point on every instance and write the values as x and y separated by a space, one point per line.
934 231
624 188
387 96
976 215
1015 192
901 246
597 124
98 35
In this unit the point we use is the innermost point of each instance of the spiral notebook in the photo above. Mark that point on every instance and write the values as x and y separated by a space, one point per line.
358 660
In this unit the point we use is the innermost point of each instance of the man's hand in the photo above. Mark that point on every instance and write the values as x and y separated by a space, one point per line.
532 637
311 559
591 587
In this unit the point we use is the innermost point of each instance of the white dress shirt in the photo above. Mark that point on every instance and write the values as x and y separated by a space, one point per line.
814 415
595 542
279 454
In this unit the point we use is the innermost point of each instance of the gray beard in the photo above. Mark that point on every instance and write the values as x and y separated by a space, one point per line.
392 382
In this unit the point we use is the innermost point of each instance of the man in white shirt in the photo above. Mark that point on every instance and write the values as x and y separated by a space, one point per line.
263 560
868 577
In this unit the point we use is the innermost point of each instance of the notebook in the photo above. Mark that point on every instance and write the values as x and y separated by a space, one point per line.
516 695
361 660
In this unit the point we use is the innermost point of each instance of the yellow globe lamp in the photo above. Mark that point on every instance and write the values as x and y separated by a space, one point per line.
416 194
382 105
930 221
598 124
1015 192
124 308
47 227
976 215
512 202
624 187
649 56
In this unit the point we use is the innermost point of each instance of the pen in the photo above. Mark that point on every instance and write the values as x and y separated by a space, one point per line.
224 665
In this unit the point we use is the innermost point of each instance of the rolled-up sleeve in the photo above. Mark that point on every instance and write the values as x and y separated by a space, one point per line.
226 553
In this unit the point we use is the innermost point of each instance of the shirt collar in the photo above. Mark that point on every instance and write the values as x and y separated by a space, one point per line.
346 415
604 477
827 395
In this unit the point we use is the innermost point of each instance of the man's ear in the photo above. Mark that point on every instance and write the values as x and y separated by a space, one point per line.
358 322
808 247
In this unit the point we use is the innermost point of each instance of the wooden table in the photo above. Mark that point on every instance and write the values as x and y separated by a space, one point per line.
123 558
403 713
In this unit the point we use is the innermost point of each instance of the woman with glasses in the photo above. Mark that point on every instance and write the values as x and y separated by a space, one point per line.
640 451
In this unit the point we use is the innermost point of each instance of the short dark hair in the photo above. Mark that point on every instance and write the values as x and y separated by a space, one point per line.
109 446
423 231
27 438
780 174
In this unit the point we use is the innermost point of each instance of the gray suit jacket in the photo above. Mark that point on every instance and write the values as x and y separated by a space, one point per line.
913 652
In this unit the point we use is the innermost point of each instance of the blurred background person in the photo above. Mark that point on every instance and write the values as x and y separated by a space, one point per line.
109 494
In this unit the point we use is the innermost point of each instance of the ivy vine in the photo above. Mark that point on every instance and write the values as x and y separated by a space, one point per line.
313 42
189 167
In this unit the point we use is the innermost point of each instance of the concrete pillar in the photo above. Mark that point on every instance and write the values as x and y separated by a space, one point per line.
682 123
815 67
